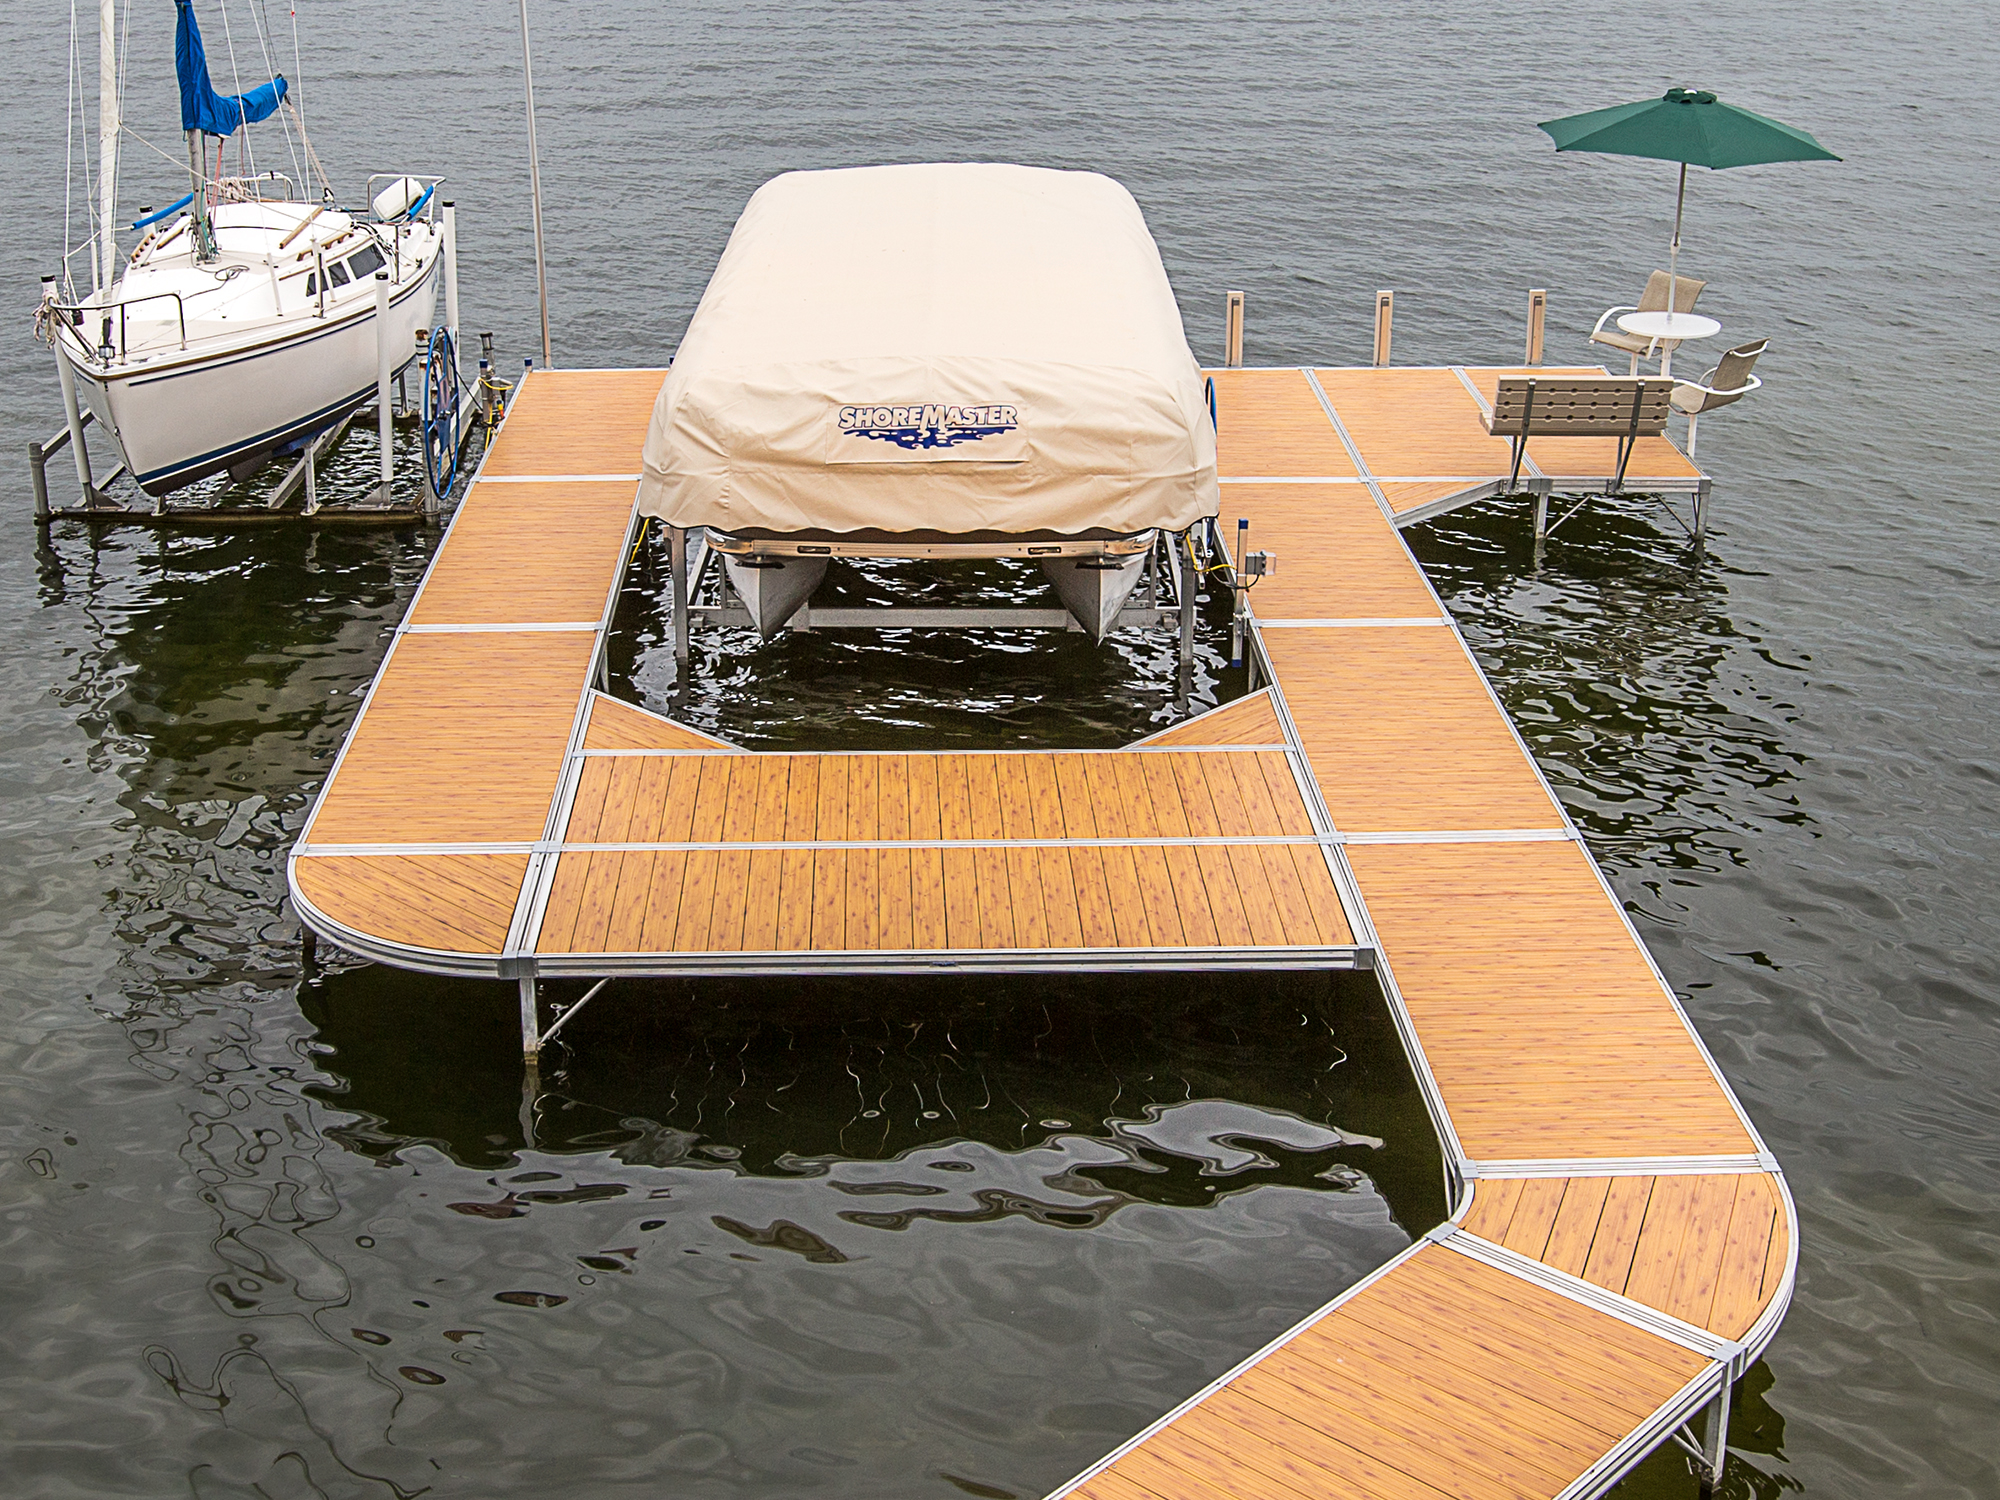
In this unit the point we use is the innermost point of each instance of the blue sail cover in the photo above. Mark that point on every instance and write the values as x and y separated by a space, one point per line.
201 107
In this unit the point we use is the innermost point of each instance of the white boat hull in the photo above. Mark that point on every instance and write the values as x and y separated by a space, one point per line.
1094 589
182 416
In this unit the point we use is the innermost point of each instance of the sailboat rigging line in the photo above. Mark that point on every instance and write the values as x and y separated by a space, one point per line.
246 155
298 113
260 19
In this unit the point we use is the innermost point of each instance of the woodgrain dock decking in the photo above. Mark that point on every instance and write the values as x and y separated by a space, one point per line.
1621 1245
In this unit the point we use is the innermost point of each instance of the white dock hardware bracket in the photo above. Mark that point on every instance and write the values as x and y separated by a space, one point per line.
1232 330
1385 318
1538 308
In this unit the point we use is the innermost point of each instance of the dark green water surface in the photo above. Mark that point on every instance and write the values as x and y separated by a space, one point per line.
265 1233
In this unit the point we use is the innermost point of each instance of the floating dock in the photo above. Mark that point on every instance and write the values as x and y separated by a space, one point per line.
1621 1244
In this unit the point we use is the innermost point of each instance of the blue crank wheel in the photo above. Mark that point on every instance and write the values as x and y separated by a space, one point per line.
440 414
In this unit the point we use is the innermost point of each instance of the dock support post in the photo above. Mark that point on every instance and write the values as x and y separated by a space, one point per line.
1538 307
74 417
531 1022
1186 551
1715 1450
384 427
1232 330
1541 488
1701 511
1385 317
451 283
38 472
677 548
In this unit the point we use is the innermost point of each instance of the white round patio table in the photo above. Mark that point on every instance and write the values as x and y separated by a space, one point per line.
1668 328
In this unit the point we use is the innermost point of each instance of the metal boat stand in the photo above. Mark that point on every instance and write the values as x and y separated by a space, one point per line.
701 588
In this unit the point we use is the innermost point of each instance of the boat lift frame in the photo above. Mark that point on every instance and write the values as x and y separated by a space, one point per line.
378 507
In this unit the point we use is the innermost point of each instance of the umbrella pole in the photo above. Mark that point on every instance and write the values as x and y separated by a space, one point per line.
1674 250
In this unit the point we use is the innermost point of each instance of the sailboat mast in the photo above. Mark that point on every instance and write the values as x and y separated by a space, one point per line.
107 146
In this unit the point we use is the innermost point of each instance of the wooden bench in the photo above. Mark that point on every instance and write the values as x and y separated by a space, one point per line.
1579 406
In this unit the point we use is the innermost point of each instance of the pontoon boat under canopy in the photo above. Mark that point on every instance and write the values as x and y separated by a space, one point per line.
974 351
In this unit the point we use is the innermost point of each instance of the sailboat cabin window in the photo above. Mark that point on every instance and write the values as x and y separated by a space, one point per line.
366 261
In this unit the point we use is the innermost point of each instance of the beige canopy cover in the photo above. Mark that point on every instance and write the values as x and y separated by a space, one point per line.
953 349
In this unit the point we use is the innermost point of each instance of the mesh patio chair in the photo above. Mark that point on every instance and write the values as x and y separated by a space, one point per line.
1729 381
1653 299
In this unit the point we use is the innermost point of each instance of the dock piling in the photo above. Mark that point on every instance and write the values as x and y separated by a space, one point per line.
73 416
531 1024
1232 330
384 417
1538 307
677 548
1385 317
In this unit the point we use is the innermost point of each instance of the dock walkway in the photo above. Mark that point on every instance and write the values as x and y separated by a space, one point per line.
1621 1244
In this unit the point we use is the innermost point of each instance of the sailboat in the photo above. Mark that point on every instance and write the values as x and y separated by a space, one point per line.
248 319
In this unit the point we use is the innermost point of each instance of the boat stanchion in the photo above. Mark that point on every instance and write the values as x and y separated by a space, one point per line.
384 418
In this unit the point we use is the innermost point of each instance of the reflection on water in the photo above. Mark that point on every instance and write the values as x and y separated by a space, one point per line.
888 1237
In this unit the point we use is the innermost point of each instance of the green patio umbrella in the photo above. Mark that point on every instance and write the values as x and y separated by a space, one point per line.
1692 127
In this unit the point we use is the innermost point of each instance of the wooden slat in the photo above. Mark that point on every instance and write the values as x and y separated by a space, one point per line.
1337 558
1061 906
1534 1216
1740 1294
462 742
864 821
1655 1258
577 422
927 894
664 892
998 924
1076 814
573 533
457 903
1269 422
893 865
1609 1264
1247 721
1488 939
792 929
961 879
620 726
698 889
1402 734
829 888
1576 1223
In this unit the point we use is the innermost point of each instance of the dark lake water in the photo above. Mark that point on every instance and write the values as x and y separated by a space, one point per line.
268 1234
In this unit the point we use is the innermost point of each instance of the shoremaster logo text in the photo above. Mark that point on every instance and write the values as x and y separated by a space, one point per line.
928 426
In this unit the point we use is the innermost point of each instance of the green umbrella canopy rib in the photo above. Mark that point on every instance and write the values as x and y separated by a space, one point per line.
1689 126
